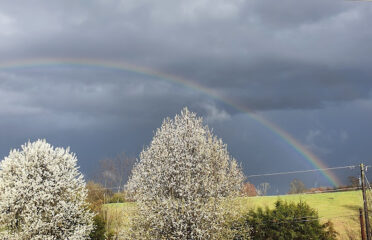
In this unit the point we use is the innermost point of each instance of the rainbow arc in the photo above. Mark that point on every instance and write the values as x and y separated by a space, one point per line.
114 65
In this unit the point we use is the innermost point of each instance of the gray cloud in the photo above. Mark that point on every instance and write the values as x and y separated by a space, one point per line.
287 60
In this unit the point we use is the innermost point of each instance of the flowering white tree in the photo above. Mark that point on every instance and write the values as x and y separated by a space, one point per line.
180 181
42 195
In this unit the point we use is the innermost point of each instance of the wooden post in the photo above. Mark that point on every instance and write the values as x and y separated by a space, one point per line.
362 229
366 219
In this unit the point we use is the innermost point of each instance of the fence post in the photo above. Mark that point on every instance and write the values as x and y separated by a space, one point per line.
366 219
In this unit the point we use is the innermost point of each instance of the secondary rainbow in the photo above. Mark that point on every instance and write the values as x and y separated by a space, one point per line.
119 65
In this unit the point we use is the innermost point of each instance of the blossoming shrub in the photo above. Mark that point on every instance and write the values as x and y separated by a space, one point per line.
180 181
42 195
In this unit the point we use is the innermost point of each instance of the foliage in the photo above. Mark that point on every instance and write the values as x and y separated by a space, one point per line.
118 197
295 221
43 194
180 180
249 190
297 186
99 231
319 189
114 223
340 207
263 188
96 195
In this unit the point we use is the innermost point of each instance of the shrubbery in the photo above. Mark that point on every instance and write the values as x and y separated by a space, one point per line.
43 194
118 197
249 190
107 223
99 232
286 221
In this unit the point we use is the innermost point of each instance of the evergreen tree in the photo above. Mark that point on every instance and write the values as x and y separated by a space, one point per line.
287 221
99 231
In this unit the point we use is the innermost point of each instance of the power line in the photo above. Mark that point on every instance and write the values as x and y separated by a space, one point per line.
369 186
370 189
301 171
351 167
315 192
309 192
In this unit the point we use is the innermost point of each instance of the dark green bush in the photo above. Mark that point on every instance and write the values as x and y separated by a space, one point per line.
286 221
99 228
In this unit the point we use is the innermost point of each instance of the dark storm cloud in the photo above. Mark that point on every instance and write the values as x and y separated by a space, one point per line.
97 112
289 58
291 13
264 55
92 93
197 39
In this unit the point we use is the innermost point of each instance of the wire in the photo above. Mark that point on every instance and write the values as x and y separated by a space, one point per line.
301 171
369 186
315 192
281 173
309 192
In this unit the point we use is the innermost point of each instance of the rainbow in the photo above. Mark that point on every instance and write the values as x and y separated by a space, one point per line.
119 65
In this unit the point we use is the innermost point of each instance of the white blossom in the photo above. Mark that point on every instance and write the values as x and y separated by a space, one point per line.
42 195
180 181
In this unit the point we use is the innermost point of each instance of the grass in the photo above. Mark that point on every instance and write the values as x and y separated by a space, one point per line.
340 207
118 216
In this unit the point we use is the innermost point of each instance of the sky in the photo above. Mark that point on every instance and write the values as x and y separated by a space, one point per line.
303 65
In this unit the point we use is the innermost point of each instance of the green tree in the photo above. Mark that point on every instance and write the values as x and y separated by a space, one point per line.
296 186
287 221
99 228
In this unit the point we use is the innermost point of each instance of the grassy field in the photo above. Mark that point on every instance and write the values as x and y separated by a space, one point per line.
341 208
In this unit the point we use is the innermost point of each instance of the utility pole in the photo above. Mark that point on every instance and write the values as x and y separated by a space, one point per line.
362 225
366 219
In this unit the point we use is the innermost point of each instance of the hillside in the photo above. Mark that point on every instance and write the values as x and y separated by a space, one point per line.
341 208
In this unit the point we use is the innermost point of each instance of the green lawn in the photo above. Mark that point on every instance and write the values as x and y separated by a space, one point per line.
341 208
